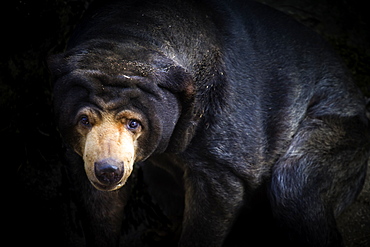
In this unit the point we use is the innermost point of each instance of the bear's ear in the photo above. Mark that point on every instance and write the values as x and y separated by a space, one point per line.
176 80
181 83
57 65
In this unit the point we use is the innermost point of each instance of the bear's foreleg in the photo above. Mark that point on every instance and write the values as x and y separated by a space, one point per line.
212 201
321 173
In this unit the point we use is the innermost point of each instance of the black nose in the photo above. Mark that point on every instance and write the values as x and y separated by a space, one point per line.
108 171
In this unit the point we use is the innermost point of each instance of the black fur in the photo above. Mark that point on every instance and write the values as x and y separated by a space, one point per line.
239 98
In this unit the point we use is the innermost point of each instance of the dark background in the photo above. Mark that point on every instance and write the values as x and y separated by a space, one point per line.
41 209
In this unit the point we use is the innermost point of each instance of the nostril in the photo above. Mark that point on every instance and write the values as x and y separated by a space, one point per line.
108 171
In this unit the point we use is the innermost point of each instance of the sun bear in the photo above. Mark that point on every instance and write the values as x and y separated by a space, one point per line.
229 98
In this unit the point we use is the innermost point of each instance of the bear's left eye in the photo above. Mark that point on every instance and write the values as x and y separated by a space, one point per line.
133 124
84 120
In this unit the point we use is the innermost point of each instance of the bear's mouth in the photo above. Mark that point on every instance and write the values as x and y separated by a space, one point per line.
107 187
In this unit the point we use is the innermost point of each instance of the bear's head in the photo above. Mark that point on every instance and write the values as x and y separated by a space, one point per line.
117 104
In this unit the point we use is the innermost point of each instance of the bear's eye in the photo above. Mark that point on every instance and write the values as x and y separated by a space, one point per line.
133 124
84 120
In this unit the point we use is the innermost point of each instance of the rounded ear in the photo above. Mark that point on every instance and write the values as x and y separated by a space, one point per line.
60 64
55 64
176 80
202 95
179 82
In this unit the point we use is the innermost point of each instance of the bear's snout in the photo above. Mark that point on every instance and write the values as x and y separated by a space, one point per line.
109 172
108 150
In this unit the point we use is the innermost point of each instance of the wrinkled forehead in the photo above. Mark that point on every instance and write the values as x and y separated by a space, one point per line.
114 65
108 93
113 58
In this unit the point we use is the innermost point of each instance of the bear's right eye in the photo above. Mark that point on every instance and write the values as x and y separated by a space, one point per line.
84 120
